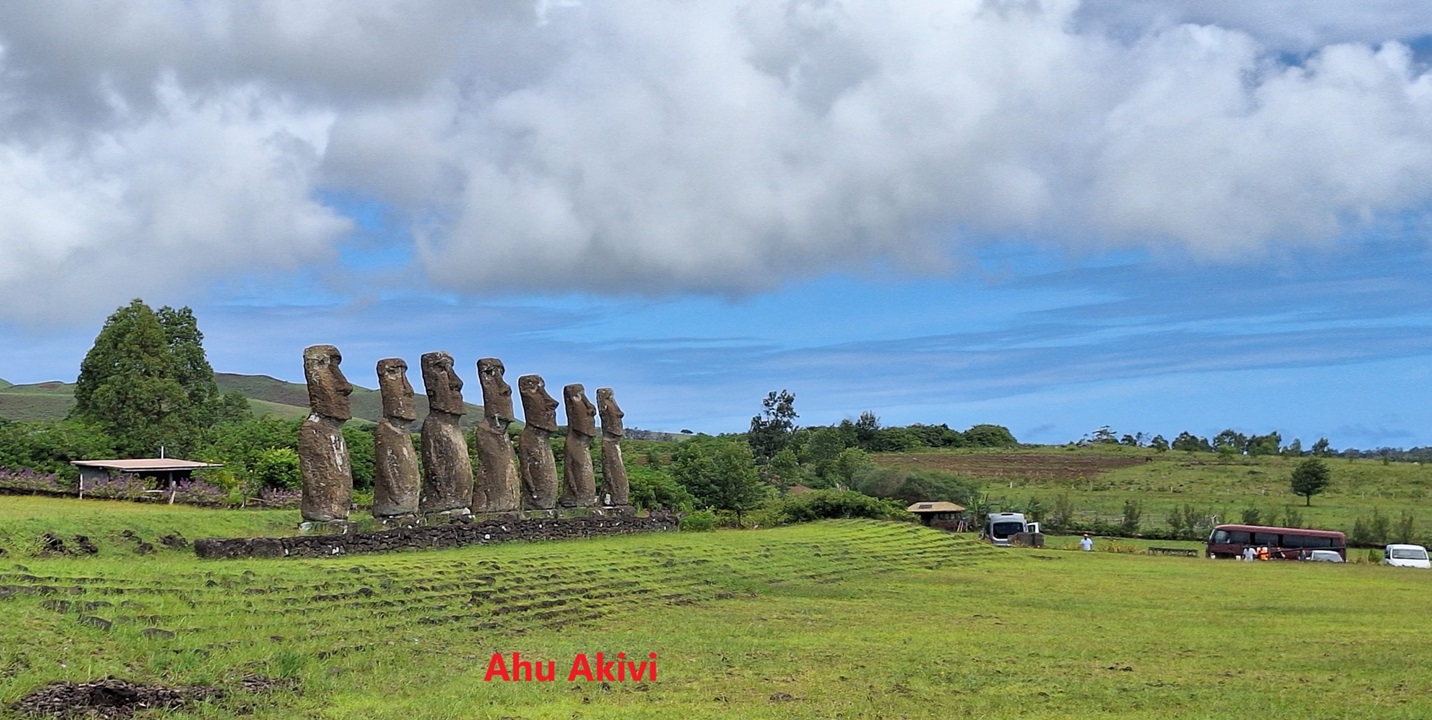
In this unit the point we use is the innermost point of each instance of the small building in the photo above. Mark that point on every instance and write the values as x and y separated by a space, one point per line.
940 514
167 471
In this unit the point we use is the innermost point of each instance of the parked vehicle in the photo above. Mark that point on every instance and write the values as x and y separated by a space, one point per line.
1324 556
1009 528
1403 555
1228 541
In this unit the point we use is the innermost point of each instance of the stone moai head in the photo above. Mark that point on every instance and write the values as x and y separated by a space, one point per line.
538 408
328 390
580 412
611 413
397 392
496 393
442 384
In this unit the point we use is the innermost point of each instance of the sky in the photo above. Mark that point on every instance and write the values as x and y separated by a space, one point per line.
1045 214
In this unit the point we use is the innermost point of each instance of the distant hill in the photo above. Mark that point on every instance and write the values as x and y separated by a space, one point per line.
38 401
267 396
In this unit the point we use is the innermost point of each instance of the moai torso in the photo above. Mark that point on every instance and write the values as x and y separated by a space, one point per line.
498 487
322 453
579 487
396 482
615 490
534 449
447 466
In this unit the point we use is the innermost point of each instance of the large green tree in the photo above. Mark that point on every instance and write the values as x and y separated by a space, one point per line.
147 383
773 430
1310 477
720 473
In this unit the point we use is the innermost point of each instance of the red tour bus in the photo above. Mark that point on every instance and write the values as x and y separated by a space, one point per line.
1228 541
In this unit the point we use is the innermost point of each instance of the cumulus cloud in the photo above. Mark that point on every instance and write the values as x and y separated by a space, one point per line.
659 147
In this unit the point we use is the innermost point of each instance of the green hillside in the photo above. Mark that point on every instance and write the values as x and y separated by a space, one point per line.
286 399
37 401
267 396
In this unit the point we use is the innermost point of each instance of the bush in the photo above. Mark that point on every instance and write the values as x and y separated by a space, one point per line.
278 468
653 488
912 486
31 481
122 487
280 498
826 504
699 521
198 492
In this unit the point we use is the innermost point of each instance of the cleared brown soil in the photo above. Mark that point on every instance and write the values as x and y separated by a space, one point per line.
1053 466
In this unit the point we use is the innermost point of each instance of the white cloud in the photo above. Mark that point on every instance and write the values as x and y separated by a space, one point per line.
654 147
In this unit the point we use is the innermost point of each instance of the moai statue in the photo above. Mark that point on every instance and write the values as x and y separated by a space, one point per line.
498 488
539 467
616 492
322 454
396 483
579 486
447 468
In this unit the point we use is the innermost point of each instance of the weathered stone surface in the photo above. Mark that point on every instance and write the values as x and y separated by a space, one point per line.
322 453
534 449
579 487
447 466
328 390
447 535
615 490
396 482
496 393
498 487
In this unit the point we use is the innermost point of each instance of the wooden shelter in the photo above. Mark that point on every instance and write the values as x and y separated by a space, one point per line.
940 514
167 470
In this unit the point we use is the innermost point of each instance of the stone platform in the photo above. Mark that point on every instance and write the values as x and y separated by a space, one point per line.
424 537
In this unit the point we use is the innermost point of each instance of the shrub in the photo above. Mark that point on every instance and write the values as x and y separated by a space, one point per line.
1129 523
825 504
1370 530
280 498
121 487
654 488
912 486
31 481
198 492
699 521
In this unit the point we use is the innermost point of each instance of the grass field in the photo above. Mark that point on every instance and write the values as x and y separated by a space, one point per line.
833 619
1099 480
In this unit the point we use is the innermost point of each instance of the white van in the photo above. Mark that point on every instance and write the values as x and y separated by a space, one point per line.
1400 555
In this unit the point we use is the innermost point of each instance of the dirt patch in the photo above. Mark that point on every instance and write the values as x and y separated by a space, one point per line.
107 698
1051 466
115 698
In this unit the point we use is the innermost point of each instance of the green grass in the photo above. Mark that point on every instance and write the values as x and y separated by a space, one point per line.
1221 486
834 619
39 401
24 519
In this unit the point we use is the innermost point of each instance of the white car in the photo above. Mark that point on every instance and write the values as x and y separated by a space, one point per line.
1400 555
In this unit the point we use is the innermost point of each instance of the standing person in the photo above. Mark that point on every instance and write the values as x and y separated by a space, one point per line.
1086 543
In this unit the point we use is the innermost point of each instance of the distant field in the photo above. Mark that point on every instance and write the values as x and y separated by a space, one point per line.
1099 480
833 619
39 401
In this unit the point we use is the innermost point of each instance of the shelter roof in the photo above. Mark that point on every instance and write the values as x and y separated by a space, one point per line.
935 507
145 464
